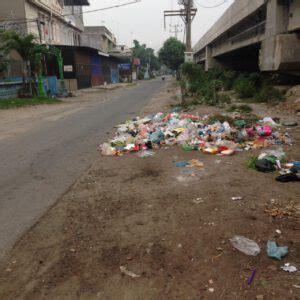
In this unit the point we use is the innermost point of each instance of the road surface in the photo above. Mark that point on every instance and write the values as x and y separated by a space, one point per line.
41 163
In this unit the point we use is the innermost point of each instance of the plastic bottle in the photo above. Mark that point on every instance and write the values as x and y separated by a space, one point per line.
245 245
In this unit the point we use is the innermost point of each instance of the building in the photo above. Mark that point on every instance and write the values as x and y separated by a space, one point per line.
56 22
85 67
99 37
121 51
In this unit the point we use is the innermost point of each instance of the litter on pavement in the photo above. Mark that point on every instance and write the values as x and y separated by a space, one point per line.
128 273
272 160
245 245
276 252
194 132
288 268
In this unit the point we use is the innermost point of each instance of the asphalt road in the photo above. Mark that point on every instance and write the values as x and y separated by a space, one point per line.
41 164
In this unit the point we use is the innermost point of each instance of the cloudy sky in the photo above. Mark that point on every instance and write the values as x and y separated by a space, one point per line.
144 20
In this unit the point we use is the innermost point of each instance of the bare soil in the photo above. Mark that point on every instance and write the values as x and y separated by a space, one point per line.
141 213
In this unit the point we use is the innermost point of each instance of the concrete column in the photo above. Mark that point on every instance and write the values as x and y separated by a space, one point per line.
276 24
210 61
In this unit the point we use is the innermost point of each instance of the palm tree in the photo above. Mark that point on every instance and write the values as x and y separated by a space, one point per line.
24 45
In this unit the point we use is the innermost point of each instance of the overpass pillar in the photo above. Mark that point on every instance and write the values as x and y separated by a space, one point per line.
280 49
210 61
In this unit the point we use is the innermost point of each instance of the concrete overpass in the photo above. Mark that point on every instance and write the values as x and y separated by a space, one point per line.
254 35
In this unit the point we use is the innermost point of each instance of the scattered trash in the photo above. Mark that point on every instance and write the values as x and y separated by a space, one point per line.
288 268
271 160
264 165
276 252
198 201
228 152
236 198
211 290
193 132
251 278
107 150
278 231
146 153
245 245
181 164
128 273
195 163
289 177
290 210
270 121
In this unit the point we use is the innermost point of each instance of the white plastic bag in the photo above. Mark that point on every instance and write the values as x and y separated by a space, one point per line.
245 245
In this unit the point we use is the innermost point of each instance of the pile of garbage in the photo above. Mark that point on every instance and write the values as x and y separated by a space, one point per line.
274 160
193 132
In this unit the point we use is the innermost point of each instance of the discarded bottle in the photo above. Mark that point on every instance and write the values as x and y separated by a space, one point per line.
245 245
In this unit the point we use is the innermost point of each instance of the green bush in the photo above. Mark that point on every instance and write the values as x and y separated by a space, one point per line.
208 85
268 94
245 86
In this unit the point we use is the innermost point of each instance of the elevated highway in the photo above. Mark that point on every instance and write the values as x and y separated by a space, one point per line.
254 35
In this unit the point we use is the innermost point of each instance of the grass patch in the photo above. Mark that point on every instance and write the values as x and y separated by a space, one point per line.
244 108
251 162
21 102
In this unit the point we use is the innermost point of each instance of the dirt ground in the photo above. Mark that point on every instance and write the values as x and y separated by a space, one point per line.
141 214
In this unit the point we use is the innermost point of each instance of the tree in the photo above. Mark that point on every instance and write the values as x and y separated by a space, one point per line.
11 40
146 55
172 53
27 48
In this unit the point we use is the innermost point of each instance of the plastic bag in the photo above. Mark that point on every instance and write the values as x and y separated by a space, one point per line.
107 150
279 154
276 252
156 137
145 153
245 245
269 120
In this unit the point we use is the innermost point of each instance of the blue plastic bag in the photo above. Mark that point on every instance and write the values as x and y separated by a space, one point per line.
276 252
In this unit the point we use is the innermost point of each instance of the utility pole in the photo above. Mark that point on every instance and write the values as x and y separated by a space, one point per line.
176 29
188 5
187 14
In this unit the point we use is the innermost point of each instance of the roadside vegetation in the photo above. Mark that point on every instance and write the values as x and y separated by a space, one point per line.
21 102
219 87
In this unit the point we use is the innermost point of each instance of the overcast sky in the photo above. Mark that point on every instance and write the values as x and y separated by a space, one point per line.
144 20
